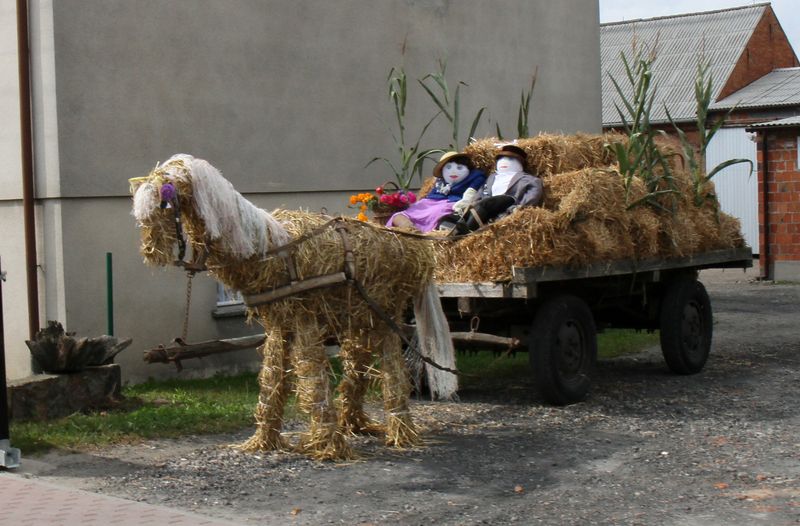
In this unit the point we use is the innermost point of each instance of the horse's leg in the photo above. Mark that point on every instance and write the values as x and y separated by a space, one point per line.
400 430
271 396
356 356
324 439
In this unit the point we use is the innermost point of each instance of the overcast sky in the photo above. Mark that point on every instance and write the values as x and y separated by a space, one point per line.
787 11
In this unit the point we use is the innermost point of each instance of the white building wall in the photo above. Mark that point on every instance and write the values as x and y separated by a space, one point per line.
10 181
12 254
15 306
737 186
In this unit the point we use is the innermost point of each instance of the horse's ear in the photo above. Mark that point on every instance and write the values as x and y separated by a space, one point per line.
145 201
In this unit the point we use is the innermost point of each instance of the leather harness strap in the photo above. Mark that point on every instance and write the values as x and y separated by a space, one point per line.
347 276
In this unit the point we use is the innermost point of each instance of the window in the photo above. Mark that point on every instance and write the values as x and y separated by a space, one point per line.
226 296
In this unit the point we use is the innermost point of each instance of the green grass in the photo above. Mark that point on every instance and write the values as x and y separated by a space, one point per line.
486 368
616 342
153 409
175 408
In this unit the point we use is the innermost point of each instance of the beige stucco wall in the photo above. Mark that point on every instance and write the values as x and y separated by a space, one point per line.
12 255
288 99
10 181
291 96
15 308
148 302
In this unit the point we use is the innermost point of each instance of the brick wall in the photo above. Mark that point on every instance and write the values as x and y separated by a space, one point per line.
747 116
767 49
780 242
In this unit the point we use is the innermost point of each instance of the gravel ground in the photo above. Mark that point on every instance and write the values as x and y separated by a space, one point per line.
647 447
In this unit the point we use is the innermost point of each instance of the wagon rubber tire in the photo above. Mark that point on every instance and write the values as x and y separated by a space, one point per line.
686 323
563 349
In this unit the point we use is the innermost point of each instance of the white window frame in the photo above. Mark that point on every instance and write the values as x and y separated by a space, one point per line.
227 297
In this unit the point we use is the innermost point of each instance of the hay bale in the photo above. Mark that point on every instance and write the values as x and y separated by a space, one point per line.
549 154
730 231
585 215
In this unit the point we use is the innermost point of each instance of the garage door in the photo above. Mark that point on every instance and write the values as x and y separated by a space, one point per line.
737 188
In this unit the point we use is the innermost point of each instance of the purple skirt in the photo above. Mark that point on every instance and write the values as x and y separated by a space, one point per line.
425 213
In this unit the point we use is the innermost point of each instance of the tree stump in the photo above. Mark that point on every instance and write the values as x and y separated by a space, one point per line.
57 351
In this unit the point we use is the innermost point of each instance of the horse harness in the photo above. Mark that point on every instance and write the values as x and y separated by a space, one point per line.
295 286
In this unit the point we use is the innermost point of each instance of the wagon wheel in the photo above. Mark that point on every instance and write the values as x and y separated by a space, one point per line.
686 324
563 349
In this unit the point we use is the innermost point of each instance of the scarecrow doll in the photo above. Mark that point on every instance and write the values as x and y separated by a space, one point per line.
456 184
507 188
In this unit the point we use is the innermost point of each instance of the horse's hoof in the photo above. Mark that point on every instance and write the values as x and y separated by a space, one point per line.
317 451
370 429
258 443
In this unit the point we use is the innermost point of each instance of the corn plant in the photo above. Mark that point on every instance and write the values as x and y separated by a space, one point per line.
696 158
410 158
439 92
523 112
639 156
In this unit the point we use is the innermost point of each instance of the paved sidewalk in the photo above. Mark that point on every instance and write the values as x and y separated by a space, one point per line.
31 502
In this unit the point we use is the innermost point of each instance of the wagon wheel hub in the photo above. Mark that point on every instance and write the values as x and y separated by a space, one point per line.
570 345
692 328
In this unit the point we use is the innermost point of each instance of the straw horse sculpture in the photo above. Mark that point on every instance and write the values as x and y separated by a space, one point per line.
252 251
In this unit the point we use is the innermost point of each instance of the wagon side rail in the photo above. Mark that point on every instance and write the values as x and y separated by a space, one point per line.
525 279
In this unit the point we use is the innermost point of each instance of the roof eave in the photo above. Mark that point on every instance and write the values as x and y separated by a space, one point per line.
768 126
754 106
659 121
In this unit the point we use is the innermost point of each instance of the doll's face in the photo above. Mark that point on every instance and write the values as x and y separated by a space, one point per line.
508 164
454 172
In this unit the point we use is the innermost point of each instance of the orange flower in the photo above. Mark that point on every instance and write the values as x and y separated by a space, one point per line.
362 217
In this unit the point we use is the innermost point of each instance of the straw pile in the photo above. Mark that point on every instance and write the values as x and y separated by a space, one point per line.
584 216
392 268
549 154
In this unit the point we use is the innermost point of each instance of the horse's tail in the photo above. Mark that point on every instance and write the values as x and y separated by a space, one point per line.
436 343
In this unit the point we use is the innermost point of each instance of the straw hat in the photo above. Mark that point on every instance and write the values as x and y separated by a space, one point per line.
509 150
462 158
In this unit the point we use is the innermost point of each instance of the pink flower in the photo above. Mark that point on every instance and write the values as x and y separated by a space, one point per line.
403 198
386 199
379 190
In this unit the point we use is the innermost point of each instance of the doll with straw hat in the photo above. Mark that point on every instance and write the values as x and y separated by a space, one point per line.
508 188
456 183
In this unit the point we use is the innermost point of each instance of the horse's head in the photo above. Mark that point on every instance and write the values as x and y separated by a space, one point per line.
188 195
159 200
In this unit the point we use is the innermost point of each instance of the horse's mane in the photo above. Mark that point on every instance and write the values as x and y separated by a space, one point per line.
242 228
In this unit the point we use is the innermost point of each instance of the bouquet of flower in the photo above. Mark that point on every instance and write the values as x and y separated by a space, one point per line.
384 202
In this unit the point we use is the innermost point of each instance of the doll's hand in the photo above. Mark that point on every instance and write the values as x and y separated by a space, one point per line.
460 207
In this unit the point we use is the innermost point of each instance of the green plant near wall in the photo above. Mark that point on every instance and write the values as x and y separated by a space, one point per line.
639 156
523 111
449 104
410 158
696 158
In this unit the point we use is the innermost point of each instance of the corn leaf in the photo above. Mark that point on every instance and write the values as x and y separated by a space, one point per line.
730 162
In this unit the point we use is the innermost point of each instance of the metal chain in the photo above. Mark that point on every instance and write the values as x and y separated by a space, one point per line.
185 333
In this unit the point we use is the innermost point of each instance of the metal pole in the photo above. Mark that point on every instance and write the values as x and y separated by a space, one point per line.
110 293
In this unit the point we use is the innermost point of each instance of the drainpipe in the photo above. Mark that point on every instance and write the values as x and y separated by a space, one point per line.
26 135
765 168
